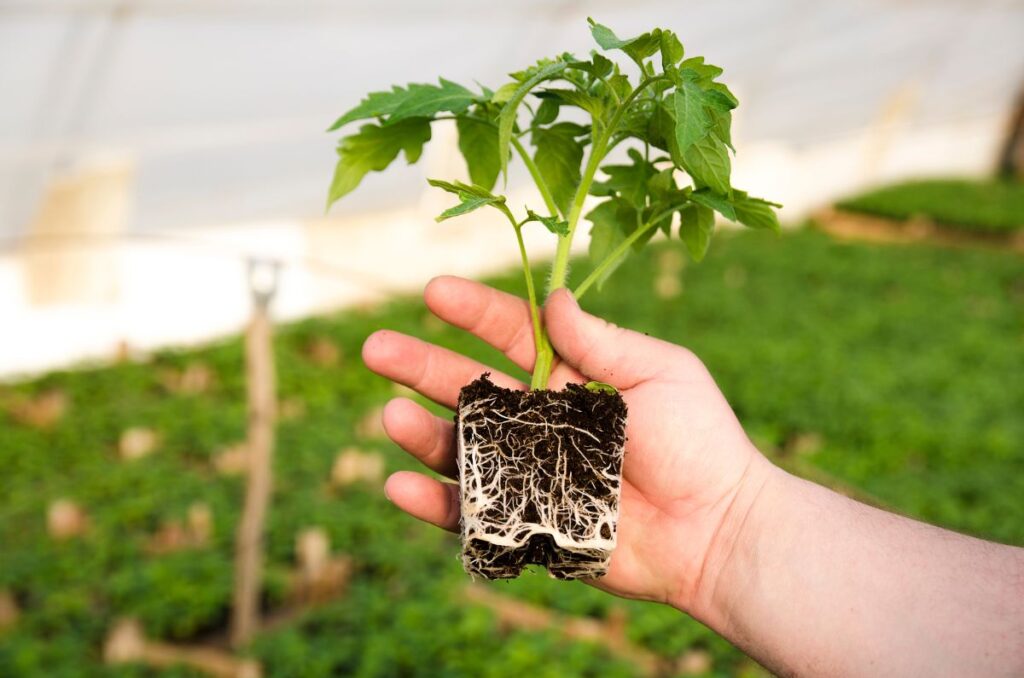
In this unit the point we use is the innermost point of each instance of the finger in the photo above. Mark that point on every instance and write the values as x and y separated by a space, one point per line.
601 350
435 372
429 438
425 498
499 318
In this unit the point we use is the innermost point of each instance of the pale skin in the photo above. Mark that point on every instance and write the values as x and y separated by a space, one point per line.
806 581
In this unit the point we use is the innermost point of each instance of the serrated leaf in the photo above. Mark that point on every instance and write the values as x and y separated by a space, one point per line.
707 162
637 49
412 101
472 197
671 50
428 100
459 188
606 234
552 223
696 225
627 181
478 143
558 160
755 212
693 121
468 204
507 118
695 69
374 105
372 149
712 200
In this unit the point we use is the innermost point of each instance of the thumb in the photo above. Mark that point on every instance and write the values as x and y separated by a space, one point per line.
599 349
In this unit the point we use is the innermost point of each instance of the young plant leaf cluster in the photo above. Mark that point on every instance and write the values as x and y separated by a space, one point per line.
668 111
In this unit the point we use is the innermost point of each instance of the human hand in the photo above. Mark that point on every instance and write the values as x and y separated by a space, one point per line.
689 472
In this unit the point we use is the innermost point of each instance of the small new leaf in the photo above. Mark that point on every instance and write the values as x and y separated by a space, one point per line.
473 198
372 149
552 223
600 387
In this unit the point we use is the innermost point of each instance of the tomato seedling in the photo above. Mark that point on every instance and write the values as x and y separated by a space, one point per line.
674 119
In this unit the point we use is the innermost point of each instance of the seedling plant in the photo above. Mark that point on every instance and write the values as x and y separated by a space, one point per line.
540 471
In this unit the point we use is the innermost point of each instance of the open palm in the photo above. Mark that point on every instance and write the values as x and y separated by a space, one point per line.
686 454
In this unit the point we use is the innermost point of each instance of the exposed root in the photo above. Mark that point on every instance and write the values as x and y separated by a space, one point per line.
540 479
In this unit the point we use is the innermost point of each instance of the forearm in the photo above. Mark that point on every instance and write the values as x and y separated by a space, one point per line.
812 583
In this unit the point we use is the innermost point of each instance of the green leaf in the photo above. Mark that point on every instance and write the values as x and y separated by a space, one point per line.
637 49
600 387
717 202
671 50
599 66
459 188
627 181
572 97
472 197
692 119
478 143
755 212
558 160
612 221
505 92
707 161
428 100
553 223
696 225
546 112
694 68
372 149
374 105
507 118
468 204
413 101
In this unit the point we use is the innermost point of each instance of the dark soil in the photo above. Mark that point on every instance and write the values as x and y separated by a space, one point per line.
541 478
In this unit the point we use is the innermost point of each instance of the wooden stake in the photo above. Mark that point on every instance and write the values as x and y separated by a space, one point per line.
259 358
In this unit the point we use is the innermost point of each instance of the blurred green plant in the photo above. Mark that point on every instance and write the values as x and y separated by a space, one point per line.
898 366
989 205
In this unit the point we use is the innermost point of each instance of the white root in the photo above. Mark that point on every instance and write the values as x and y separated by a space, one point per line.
512 493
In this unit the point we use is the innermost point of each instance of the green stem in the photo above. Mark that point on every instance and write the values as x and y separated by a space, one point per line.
545 353
600 148
542 186
614 255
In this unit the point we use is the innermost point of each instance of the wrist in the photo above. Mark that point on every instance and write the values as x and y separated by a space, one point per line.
743 520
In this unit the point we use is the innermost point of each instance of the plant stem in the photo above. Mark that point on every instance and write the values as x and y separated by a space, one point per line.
545 354
609 260
560 265
542 186
600 148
